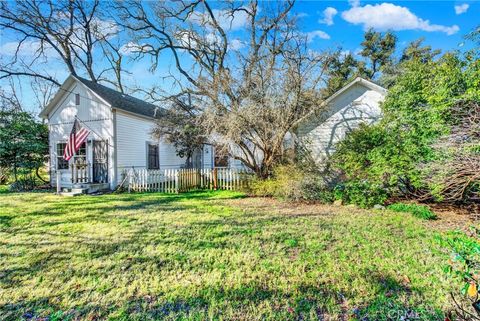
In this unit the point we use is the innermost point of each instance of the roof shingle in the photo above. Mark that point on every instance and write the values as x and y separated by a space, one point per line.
122 101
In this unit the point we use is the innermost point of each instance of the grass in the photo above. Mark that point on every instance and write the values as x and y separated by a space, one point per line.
213 255
420 211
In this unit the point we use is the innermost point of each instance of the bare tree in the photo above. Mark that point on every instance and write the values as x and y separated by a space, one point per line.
9 100
68 31
249 91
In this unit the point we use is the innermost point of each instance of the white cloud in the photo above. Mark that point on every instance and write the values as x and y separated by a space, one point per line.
100 29
27 48
462 8
312 35
131 48
225 20
328 15
236 44
387 16
104 28
354 3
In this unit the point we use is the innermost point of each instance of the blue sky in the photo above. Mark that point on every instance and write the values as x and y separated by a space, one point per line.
329 24
347 25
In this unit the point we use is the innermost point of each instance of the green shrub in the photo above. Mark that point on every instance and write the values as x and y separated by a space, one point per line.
464 266
361 193
292 182
315 188
420 211
285 183
418 113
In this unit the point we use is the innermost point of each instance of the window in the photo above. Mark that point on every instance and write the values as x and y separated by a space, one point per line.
153 157
77 99
61 163
221 158
81 154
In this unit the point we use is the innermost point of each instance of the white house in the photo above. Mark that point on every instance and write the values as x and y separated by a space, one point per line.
120 135
120 131
357 102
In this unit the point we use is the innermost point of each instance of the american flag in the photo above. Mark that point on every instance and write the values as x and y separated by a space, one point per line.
77 137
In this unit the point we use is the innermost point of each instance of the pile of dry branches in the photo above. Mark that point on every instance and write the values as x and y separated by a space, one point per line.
457 178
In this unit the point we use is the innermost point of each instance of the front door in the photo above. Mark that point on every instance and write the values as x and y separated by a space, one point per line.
100 161
197 158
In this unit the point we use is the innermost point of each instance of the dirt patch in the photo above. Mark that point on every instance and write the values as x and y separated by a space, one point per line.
449 218
288 208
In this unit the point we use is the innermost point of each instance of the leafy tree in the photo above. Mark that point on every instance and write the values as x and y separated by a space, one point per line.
180 126
416 51
378 59
23 144
341 70
419 111
378 49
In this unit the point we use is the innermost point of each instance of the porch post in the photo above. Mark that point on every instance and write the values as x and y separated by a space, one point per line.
57 176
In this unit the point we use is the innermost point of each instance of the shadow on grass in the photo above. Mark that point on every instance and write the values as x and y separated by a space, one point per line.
391 302
129 202
302 301
5 221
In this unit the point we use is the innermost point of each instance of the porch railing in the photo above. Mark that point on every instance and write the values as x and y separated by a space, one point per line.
80 172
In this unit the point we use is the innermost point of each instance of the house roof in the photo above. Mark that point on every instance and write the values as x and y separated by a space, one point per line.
111 96
358 80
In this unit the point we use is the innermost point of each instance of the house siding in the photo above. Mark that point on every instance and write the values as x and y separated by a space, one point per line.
321 132
93 112
133 134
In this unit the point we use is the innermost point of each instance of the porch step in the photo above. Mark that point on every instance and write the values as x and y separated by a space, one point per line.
70 194
86 188
79 190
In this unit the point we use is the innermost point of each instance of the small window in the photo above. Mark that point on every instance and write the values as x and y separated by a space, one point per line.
153 157
61 163
221 158
81 154
77 99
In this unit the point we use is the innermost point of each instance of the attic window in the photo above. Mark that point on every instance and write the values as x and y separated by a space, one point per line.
77 99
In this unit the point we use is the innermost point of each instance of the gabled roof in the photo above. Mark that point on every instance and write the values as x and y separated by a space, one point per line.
110 96
358 80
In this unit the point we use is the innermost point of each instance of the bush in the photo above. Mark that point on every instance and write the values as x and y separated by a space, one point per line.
316 188
291 182
285 183
420 112
361 193
420 211
464 266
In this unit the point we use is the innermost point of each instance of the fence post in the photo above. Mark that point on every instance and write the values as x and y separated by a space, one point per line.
215 179
176 181
129 180
58 177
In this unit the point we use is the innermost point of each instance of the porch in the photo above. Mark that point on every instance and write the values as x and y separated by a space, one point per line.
81 179
86 172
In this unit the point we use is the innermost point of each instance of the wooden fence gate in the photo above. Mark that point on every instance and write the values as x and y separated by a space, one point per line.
184 180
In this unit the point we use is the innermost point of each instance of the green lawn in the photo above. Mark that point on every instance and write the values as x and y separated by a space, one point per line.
213 256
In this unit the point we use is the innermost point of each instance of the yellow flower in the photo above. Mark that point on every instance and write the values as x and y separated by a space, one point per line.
472 290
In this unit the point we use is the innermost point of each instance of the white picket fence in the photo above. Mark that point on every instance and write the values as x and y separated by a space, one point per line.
184 180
